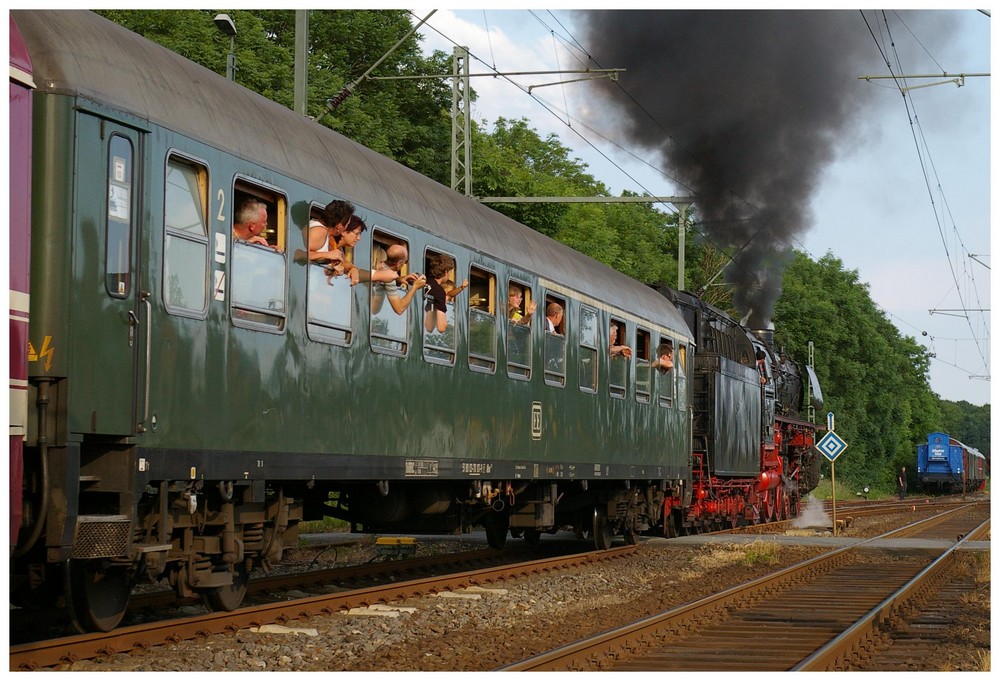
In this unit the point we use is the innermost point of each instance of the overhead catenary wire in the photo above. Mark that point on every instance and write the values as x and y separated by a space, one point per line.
925 160
587 134
553 110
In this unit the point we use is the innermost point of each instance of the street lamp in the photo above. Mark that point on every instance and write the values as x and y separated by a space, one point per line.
225 24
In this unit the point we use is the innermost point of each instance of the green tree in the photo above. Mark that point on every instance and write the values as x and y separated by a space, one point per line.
408 120
966 422
873 379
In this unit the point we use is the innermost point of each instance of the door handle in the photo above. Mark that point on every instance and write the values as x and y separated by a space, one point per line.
133 322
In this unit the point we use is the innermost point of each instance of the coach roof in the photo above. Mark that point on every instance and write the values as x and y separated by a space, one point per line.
82 54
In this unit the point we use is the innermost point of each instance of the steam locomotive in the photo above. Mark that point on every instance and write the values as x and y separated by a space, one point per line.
190 397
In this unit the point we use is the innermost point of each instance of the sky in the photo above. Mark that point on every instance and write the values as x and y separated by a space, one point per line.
904 198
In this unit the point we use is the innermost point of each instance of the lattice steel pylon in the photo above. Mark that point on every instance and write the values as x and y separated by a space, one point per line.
461 125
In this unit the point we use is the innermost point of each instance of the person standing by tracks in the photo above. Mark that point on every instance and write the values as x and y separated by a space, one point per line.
901 483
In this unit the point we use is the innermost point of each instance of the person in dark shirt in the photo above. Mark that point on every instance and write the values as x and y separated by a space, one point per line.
436 308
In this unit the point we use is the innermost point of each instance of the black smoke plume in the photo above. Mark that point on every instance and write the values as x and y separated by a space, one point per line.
746 108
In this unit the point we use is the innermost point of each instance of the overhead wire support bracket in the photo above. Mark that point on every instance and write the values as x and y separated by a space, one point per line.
957 78
611 75
598 73
958 312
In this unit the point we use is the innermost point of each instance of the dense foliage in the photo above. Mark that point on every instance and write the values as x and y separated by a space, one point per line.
408 120
874 379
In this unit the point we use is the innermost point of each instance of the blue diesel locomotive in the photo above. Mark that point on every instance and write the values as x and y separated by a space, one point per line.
945 464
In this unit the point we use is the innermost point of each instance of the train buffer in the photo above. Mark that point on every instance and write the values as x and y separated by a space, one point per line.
395 547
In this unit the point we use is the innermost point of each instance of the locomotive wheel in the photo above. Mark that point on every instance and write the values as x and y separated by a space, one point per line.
228 598
532 536
769 510
496 525
97 595
786 506
779 503
602 530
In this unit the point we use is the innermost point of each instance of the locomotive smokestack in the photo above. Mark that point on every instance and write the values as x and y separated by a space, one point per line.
766 336
746 109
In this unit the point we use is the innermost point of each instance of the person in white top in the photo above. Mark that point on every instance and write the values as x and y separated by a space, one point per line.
553 317
618 350
323 233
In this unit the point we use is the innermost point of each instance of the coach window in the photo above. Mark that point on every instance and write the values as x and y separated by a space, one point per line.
520 319
665 375
439 326
186 245
642 365
257 275
118 259
482 320
680 364
555 342
589 335
618 364
329 298
389 329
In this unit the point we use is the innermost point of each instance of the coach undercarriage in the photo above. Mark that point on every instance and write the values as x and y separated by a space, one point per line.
203 538
517 508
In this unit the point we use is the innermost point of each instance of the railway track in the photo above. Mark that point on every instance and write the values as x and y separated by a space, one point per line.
850 510
66 650
823 614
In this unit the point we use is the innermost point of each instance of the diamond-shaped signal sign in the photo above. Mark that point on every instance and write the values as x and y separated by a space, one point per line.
831 445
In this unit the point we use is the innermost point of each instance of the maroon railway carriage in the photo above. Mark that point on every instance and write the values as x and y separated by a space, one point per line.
21 85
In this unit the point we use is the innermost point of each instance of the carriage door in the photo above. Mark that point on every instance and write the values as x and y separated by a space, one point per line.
110 314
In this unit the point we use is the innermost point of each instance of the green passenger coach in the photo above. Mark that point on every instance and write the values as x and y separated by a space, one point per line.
193 396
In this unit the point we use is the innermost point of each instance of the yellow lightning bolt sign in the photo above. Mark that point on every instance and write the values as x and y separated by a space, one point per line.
47 352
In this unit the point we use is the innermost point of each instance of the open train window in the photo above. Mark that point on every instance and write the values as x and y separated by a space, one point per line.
589 335
555 340
680 369
521 310
258 279
665 371
439 315
391 294
642 353
482 320
329 294
118 257
186 244
617 363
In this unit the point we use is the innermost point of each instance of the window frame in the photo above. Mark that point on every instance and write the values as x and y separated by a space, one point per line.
203 173
642 353
330 332
448 355
127 185
618 391
277 202
666 401
519 371
550 339
589 347
481 363
384 237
